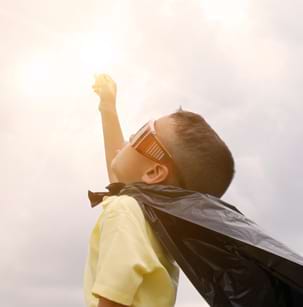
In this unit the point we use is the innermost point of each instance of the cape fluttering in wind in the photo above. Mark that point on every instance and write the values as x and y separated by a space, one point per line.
226 256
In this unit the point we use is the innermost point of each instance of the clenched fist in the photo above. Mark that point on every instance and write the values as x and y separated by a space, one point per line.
106 88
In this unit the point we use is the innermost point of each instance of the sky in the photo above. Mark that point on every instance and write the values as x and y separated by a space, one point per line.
237 63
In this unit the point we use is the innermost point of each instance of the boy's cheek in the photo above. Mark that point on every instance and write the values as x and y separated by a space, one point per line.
119 159
112 164
119 153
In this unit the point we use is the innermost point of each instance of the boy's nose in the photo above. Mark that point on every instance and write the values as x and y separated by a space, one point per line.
124 144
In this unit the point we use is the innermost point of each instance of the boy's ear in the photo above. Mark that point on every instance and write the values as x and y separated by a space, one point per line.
155 174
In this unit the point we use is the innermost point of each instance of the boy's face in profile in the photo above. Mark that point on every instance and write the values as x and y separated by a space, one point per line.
130 166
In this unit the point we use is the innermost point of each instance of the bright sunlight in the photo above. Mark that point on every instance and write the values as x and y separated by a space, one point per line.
97 52
84 53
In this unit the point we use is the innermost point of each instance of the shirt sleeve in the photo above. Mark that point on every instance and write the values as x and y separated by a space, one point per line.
124 255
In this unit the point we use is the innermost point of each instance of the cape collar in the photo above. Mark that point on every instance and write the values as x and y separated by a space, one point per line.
96 198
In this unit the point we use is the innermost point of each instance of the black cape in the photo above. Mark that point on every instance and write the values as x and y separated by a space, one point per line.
226 256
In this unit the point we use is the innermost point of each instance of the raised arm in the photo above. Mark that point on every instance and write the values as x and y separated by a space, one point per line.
106 89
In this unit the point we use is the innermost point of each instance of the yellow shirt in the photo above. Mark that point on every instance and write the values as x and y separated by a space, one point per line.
125 262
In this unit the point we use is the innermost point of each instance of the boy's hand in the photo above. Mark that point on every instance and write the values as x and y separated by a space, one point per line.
106 88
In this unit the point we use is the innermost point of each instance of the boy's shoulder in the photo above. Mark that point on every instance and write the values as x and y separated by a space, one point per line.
122 204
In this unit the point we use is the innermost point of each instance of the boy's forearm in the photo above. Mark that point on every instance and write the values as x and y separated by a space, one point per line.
112 136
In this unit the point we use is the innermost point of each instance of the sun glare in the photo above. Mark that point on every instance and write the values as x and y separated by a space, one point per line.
230 13
96 52
84 54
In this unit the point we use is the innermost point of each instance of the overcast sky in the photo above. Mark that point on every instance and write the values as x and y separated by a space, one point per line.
237 63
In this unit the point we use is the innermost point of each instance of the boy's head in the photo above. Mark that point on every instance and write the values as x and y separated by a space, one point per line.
190 154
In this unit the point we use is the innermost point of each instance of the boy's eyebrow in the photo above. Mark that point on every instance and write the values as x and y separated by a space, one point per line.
155 124
142 127
131 136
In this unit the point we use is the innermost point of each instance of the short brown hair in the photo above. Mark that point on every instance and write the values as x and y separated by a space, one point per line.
205 162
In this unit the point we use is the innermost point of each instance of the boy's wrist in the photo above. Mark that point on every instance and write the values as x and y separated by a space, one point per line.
106 105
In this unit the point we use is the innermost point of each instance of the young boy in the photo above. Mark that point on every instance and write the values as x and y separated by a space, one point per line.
126 265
